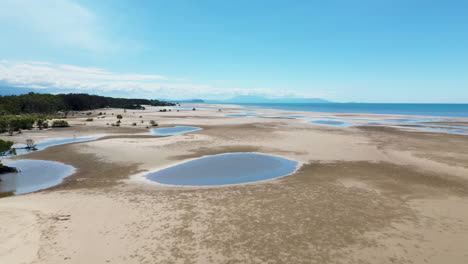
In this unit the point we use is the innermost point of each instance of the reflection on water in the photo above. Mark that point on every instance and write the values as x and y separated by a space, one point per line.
167 131
34 175
231 168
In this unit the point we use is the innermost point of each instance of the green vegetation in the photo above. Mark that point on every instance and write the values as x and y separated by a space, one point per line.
153 123
33 103
89 119
13 123
60 123
41 123
119 117
5 148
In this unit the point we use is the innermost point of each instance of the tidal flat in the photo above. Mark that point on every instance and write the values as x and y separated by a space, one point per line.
367 193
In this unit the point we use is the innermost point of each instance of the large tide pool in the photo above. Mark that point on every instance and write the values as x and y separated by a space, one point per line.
34 175
168 131
223 169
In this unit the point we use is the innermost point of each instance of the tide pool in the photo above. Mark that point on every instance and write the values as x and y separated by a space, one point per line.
34 175
222 169
331 123
168 131
49 143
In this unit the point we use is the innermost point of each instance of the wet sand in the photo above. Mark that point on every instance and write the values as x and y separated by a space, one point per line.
366 194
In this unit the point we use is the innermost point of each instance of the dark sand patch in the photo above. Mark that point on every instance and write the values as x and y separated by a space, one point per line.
451 149
307 217
465 124
92 172
200 152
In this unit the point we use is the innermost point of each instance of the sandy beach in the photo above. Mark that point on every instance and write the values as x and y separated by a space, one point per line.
364 193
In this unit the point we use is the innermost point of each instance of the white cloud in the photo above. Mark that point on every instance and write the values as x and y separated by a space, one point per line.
61 77
61 22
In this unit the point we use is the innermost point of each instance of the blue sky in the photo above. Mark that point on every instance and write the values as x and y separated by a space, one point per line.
340 50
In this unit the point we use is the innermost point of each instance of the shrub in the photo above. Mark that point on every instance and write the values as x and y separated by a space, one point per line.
60 123
153 123
40 123
89 120
15 123
119 117
5 147
134 124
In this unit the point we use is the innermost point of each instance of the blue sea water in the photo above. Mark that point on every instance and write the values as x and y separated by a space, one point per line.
445 110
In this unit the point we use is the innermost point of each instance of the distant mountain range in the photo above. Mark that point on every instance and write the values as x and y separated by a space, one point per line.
252 99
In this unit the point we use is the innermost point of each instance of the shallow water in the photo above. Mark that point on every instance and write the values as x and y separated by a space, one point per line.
49 143
331 123
34 175
446 110
242 115
231 168
414 123
168 131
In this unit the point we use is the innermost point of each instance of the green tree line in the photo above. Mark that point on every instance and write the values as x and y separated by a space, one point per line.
34 103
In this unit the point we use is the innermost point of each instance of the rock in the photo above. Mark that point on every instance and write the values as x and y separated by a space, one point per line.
6 169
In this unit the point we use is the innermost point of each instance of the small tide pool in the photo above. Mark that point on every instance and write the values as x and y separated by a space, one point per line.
223 169
20 150
331 123
34 175
242 115
168 131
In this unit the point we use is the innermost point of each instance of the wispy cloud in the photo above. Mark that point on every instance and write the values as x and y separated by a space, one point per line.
62 77
61 22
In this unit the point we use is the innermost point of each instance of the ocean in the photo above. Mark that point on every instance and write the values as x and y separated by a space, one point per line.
436 110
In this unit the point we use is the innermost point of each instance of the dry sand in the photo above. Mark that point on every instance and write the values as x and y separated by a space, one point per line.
365 194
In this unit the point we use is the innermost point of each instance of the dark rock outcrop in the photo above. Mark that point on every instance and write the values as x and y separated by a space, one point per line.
6 169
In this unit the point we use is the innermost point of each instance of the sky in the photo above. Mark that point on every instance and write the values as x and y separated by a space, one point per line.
390 51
